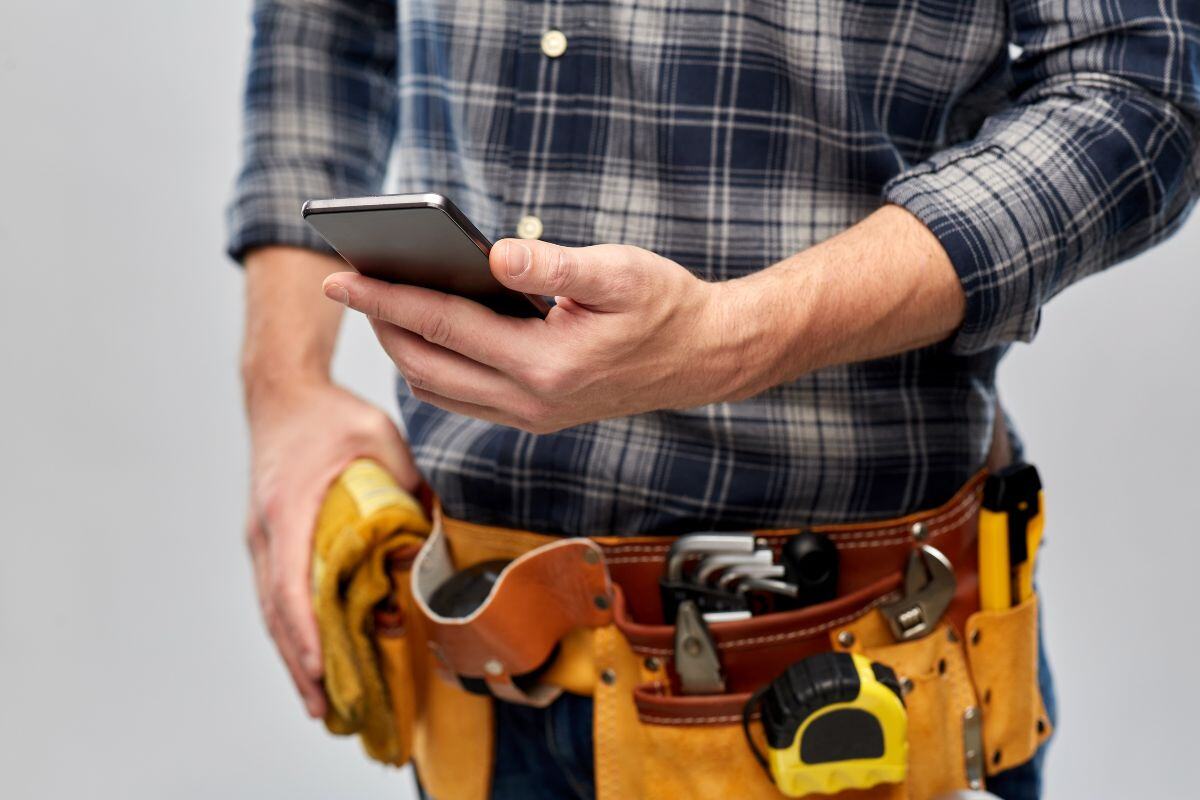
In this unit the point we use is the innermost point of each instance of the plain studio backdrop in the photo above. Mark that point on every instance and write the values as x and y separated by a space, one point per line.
132 660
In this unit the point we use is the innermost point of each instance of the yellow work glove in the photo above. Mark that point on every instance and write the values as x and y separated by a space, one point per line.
365 516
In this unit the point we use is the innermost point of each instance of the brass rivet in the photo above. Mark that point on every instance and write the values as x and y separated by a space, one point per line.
493 667
609 677
975 637
591 556
920 531
653 664
906 685
691 646
845 639
601 602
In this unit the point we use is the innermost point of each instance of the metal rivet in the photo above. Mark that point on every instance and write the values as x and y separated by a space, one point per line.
906 685
591 556
941 666
920 531
609 677
1041 726
996 757
975 786
975 636
691 646
845 639
653 664
601 602
493 667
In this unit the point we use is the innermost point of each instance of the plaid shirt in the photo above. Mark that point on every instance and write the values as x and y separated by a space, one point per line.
1040 141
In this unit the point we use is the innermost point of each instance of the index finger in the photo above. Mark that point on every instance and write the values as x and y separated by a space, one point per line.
452 322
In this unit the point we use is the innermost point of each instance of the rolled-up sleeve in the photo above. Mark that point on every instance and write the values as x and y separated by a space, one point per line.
319 114
1095 160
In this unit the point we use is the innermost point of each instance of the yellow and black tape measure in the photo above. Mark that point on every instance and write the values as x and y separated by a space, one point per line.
833 721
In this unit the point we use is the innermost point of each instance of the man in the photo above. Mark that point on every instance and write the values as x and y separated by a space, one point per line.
791 242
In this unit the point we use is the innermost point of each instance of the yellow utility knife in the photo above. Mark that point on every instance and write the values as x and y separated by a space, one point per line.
1011 523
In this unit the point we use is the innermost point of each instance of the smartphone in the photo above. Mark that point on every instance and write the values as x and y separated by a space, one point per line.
418 239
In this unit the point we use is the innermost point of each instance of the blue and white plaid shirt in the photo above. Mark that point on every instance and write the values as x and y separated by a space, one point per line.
1040 141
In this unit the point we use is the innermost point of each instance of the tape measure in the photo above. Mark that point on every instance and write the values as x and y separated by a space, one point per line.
833 721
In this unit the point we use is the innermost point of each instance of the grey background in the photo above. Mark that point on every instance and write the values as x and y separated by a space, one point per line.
132 662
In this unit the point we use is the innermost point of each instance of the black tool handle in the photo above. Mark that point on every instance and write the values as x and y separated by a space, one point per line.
810 562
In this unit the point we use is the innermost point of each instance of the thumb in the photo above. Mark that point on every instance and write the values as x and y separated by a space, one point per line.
597 277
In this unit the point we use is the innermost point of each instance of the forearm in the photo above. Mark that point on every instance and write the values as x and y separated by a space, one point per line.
881 287
291 329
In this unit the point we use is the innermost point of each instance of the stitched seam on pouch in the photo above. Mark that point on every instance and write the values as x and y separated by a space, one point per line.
735 644
938 525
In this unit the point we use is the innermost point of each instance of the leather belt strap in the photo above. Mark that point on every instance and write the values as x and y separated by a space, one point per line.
536 601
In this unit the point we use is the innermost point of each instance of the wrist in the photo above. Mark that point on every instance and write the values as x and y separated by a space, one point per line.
270 383
758 334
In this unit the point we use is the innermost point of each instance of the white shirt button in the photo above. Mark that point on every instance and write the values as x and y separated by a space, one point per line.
554 43
529 227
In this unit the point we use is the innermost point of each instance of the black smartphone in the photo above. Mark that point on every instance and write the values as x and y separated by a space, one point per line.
418 239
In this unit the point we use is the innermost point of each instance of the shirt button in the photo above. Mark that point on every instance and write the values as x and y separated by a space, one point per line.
554 43
529 227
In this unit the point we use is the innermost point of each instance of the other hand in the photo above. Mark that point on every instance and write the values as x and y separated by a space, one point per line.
302 436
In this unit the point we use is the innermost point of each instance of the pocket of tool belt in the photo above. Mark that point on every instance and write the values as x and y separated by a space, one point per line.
939 672
1002 649
694 745
393 640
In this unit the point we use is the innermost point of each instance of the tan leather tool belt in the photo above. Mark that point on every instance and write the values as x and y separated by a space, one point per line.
595 603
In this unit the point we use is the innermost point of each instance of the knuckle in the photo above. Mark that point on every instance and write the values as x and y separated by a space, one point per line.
537 417
434 325
559 270
416 372
551 378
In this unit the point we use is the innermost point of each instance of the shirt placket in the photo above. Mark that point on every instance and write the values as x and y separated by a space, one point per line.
543 63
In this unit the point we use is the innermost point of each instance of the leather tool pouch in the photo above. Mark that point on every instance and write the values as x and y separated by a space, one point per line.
975 666
597 599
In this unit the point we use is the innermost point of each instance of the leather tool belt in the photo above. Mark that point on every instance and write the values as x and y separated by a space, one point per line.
594 605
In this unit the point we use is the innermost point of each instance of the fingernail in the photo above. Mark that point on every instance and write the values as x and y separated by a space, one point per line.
517 259
335 291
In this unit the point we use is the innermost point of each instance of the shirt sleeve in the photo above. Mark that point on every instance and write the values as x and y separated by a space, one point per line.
319 115
1095 160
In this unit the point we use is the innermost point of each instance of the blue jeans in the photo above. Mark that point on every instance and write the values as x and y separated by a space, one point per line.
546 754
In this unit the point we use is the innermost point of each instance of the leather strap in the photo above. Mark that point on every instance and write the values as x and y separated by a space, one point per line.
535 602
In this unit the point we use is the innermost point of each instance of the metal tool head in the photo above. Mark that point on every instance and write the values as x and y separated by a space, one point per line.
713 564
929 585
694 544
766 585
734 574
696 660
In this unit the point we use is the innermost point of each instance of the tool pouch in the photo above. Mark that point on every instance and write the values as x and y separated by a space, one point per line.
1002 650
971 690
518 627
597 599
